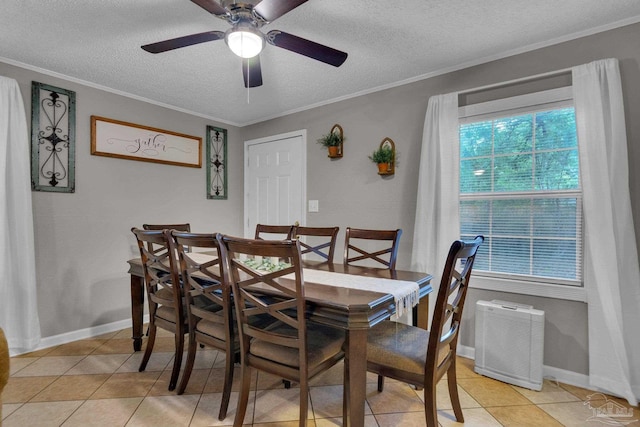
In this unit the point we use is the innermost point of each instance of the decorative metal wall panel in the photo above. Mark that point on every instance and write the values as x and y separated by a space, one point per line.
216 163
53 122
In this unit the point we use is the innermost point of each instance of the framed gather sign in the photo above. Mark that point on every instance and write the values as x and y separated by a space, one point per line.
114 138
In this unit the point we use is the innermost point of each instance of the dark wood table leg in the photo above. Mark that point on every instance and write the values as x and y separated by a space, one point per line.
355 378
422 310
137 301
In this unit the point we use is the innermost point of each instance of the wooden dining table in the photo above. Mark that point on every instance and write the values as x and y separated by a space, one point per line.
354 310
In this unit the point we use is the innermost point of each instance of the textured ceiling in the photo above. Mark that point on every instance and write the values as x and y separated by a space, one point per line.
98 42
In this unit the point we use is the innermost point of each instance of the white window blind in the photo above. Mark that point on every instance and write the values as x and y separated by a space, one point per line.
520 187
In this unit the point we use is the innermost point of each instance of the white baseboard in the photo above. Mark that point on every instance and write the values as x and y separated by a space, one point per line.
566 377
548 372
467 352
81 334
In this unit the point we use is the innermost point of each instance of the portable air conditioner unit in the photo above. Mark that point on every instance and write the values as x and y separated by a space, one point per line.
510 342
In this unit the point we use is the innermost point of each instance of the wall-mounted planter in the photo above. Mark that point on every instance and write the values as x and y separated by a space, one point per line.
385 157
334 141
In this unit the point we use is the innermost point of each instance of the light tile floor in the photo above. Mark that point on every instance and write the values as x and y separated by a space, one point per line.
95 382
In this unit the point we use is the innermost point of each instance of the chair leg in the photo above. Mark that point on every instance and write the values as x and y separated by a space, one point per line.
243 399
228 382
191 357
147 351
453 393
177 359
304 402
380 383
347 384
430 410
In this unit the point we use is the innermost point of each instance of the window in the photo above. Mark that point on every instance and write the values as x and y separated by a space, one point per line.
520 187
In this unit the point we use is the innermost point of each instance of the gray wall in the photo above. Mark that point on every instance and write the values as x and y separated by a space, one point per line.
83 239
350 192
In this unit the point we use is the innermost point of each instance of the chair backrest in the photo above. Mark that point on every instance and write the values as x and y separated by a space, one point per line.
207 295
274 232
260 293
160 271
447 315
380 246
181 227
320 240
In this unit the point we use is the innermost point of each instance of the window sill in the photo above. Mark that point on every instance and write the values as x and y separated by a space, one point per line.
571 293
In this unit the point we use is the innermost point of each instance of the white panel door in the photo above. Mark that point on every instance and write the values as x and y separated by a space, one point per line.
275 180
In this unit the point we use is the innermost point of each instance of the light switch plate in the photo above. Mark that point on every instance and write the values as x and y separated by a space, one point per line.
313 206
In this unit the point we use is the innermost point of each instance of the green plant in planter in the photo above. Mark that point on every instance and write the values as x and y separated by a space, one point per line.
382 155
332 139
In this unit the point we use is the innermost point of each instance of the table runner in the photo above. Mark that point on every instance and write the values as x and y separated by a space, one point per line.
406 294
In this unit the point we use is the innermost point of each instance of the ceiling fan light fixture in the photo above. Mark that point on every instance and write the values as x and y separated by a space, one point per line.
246 42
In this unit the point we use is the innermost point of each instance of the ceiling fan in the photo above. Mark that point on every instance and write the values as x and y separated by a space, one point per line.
246 40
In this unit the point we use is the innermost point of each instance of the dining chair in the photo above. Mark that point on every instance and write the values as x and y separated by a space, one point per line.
276 232
419 357
291 347
209 306
320 241
273 232
376 246
164 295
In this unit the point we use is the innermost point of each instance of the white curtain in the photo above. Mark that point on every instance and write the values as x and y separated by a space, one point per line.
611 273
437 222
18 304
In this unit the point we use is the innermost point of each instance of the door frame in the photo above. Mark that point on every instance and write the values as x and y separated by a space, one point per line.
303 172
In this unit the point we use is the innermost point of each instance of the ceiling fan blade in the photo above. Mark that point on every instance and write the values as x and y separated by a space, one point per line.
184 41
252 72
271 10
211 6
306 47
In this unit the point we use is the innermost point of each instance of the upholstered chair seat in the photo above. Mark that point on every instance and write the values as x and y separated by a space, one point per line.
322 344
399 347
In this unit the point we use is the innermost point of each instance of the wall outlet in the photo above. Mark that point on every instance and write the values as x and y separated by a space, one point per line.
313 206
